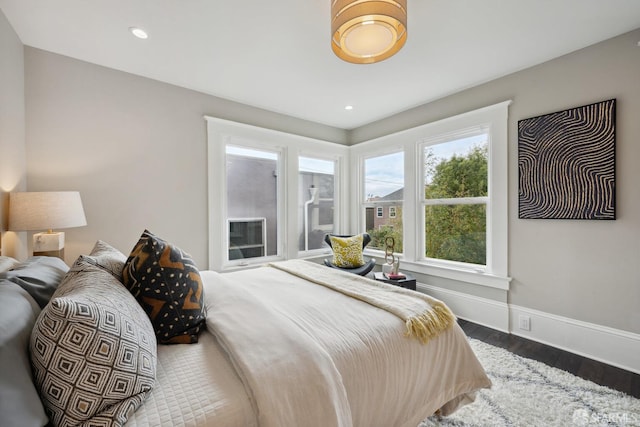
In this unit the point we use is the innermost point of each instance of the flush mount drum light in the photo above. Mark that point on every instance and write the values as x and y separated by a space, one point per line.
368 31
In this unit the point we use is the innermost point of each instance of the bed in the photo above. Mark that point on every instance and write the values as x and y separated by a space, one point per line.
389 379
282 348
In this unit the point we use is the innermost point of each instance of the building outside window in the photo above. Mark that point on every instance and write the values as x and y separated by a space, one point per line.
316 195
383 187
252 202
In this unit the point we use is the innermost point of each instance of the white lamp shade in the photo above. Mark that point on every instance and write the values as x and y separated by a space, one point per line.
45 210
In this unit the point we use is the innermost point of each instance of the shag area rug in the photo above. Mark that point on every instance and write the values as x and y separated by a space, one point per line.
527 393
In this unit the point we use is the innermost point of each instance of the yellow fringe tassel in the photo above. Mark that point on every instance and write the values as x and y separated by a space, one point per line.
430 323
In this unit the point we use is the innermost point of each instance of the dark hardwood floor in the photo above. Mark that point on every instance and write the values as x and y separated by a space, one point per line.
598 372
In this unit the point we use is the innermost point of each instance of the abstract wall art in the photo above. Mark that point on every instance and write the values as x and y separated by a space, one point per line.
566 164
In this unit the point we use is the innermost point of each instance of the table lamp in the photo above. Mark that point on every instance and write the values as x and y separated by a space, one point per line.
32 211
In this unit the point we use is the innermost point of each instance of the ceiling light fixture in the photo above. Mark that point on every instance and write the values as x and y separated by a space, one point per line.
138 32
348 107
368 31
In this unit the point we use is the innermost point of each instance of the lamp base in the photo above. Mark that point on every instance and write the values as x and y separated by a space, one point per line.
48 244
59 253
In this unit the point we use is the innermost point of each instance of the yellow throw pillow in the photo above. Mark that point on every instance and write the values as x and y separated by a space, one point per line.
347 251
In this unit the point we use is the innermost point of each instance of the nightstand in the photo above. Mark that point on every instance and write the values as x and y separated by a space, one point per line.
409 282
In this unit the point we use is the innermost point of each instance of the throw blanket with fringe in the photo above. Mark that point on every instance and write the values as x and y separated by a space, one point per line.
425 317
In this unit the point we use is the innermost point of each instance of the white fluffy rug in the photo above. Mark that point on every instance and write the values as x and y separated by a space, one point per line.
527 393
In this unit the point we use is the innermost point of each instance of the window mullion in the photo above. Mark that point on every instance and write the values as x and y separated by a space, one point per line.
458 201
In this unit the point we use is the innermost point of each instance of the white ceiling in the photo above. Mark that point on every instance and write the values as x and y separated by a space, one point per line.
276 54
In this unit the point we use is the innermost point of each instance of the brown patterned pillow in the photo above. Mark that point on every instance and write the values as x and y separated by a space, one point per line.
167 284
93 350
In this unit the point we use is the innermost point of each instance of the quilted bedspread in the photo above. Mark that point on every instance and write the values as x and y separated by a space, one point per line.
282 351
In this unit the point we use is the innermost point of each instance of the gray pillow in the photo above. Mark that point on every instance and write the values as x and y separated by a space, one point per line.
20 405
7 263
39 275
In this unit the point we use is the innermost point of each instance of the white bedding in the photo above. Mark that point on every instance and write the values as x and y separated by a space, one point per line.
195 386
388 380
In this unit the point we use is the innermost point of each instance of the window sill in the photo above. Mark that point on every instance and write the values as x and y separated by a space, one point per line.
470 276
474 277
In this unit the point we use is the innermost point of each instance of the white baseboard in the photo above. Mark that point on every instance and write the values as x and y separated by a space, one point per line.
608 345
483 311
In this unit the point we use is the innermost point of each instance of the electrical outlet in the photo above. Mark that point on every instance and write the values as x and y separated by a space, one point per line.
525 322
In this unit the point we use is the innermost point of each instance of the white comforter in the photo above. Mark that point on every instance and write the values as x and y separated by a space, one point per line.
281 351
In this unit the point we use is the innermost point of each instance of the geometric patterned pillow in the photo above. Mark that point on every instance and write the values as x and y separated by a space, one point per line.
108 258
167 284
347 251
93 350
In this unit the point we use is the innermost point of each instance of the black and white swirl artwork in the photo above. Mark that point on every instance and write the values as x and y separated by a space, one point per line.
566 164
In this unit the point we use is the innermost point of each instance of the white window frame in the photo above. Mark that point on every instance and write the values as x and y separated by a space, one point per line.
493 119
379 212
392 211
221 133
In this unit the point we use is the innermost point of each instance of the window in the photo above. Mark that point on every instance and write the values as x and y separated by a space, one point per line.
247 238
383 187
252 191
450 198
260 183
456 231
455 197
316 191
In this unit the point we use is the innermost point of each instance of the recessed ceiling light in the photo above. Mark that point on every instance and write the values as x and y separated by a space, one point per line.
349 107
138 32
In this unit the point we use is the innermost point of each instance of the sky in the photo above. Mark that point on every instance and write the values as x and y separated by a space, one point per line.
385 174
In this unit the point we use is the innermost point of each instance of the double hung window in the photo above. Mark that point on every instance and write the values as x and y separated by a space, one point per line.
440 190
450 196
272 195
455 198
253 202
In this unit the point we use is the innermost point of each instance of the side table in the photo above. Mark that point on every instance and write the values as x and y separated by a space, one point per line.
409 282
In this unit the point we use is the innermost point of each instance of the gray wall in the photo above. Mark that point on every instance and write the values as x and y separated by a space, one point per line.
585 270
13 169
135 148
